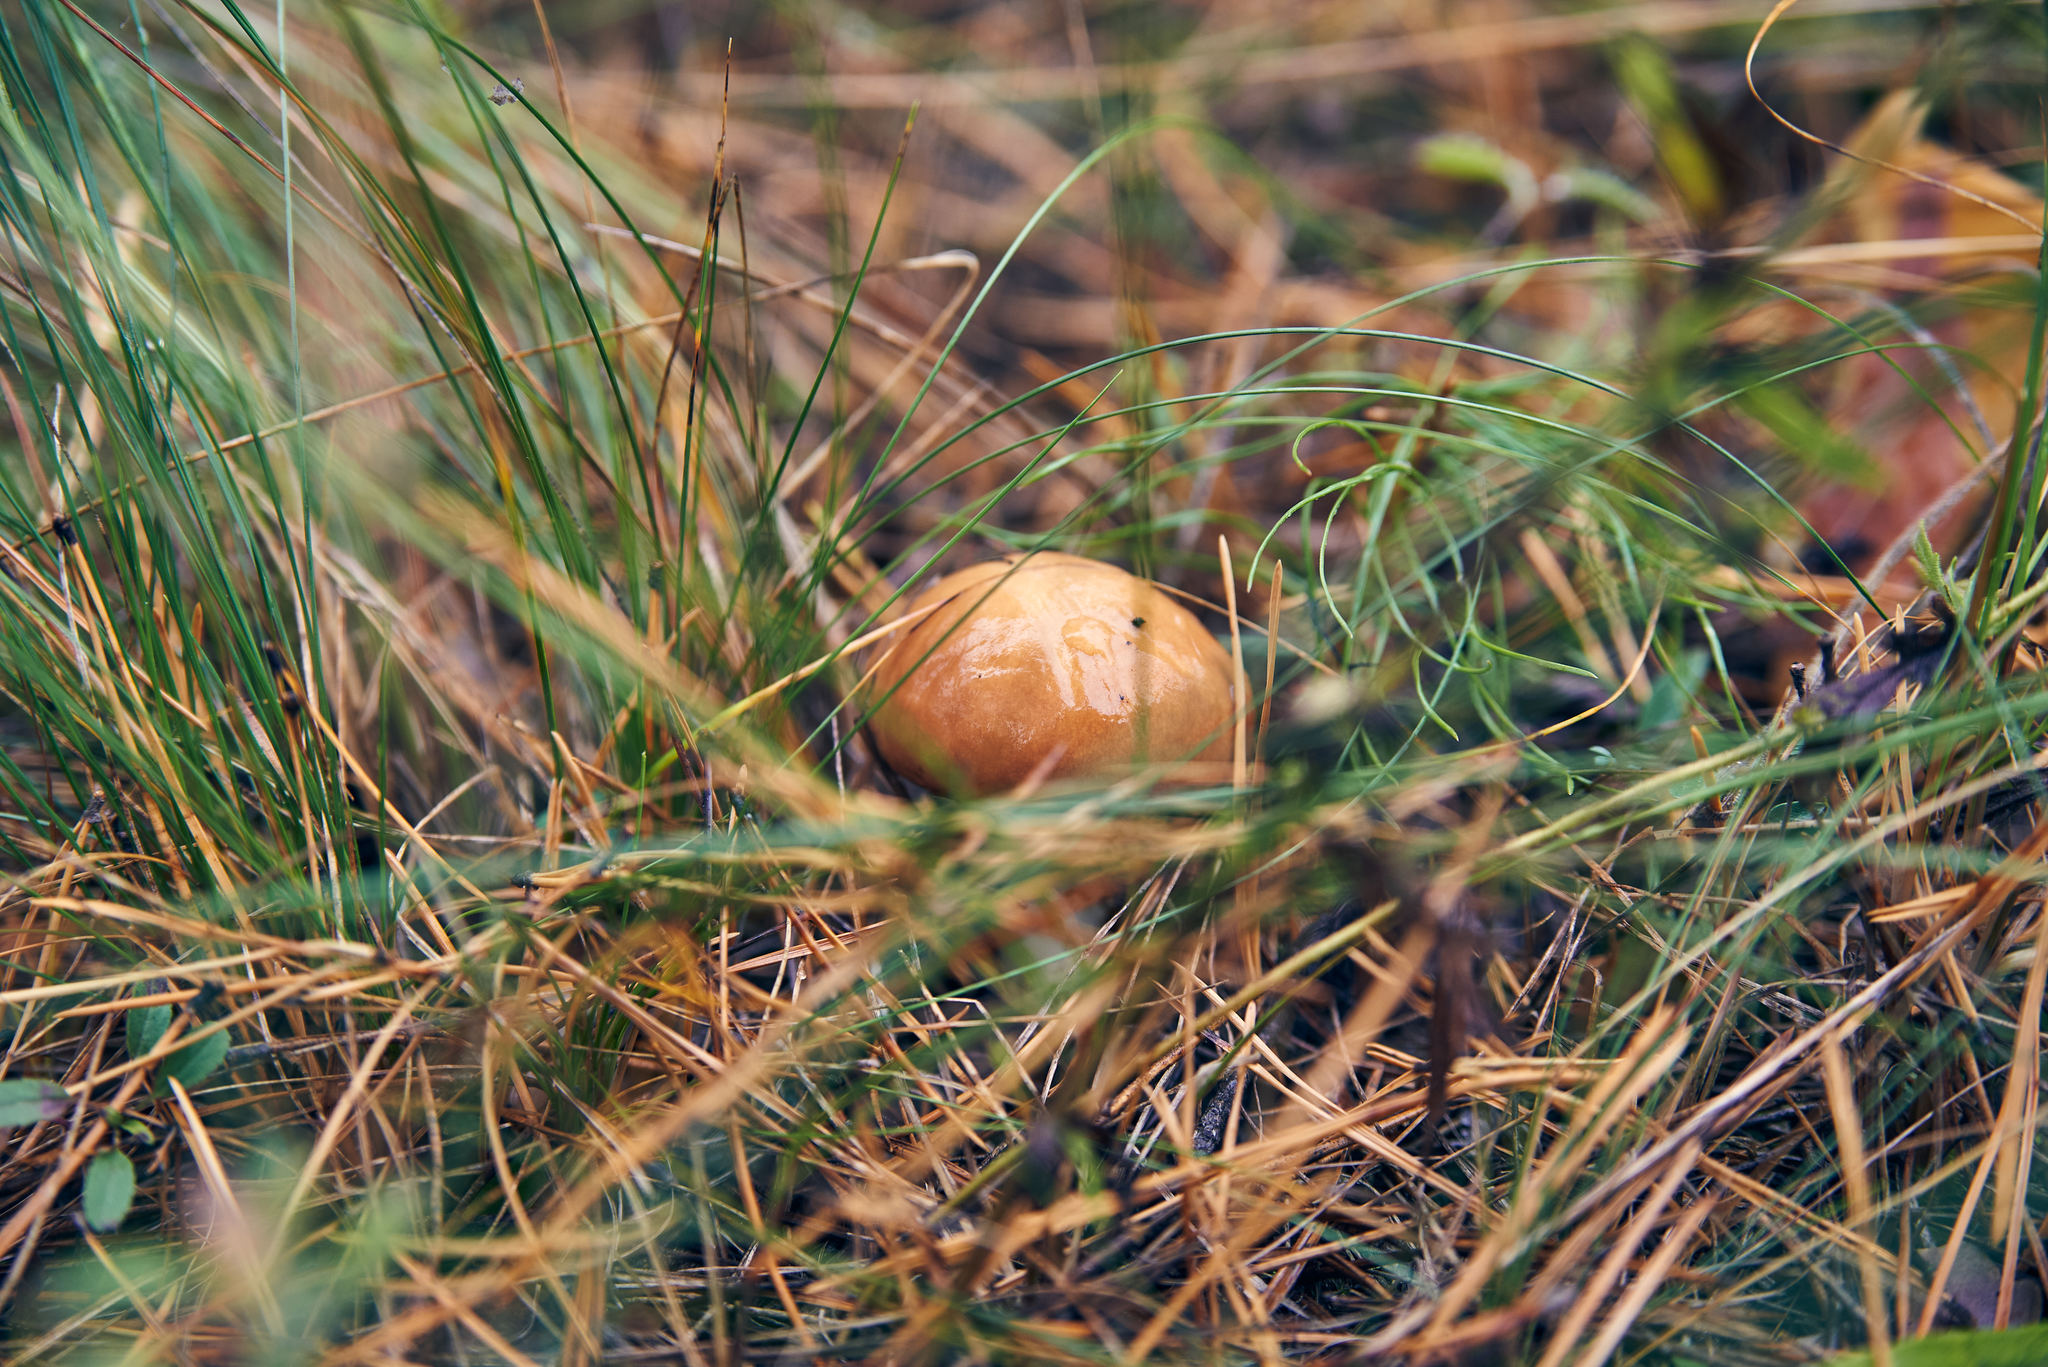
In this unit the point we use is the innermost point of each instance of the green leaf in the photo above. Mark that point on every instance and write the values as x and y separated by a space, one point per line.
1591 185
109 1190
192 1064
1807 435
25 1101
2023 1347
1651 86
1672 694
1459 156
146 1025
1923 553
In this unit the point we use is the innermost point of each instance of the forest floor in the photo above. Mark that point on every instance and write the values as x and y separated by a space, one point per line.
460 465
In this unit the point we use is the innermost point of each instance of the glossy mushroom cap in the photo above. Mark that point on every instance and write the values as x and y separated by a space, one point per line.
1049 656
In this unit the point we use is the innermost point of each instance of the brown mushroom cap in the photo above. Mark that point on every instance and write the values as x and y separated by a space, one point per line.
1049 655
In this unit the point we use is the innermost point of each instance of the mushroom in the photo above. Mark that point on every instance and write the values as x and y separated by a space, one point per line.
1051 663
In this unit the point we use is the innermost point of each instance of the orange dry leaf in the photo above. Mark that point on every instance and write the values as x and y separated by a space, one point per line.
1932 230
